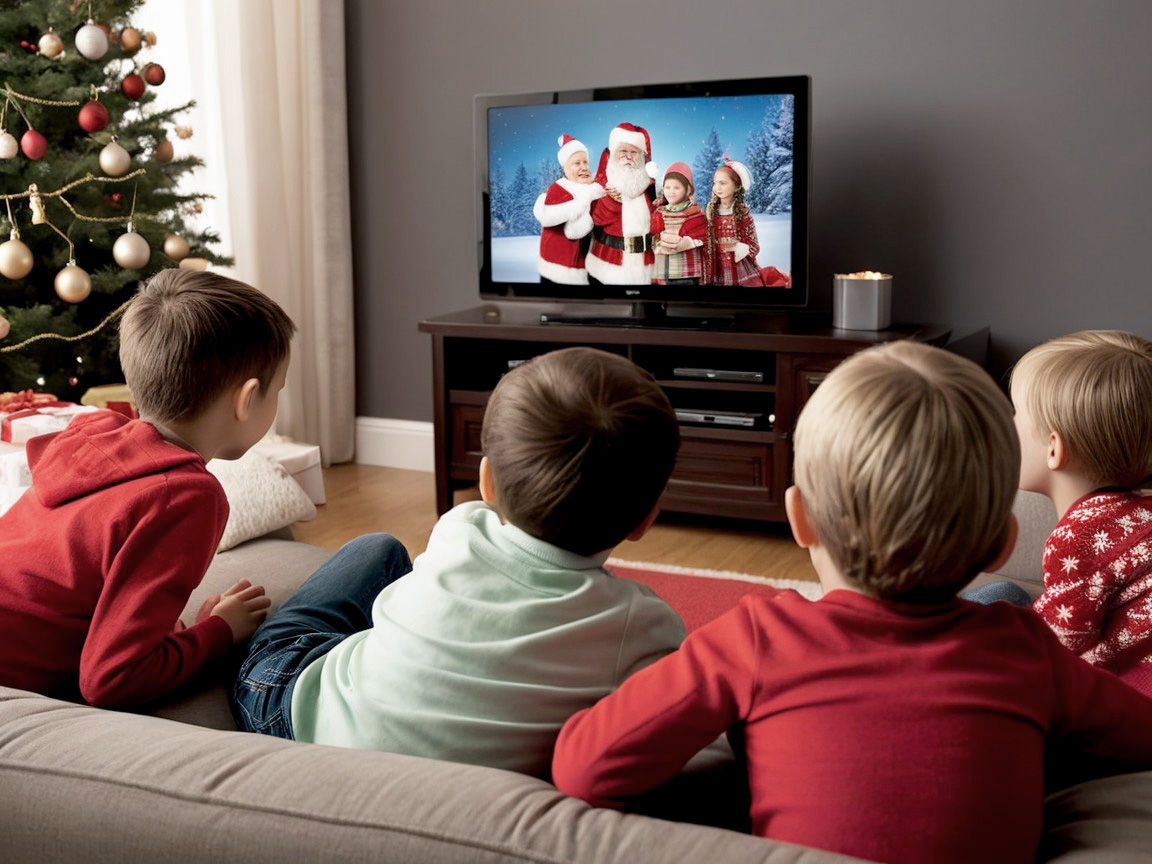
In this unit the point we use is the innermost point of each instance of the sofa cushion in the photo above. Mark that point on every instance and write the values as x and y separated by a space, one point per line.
84 784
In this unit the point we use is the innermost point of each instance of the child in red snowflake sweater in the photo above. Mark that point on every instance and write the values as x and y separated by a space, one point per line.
1084 417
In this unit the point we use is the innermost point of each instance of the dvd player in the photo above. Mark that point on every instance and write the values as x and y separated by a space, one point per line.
718 374
718 418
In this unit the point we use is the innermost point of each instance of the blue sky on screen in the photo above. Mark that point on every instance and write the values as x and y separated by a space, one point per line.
677 128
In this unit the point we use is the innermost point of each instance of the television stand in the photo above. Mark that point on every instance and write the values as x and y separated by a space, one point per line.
745 383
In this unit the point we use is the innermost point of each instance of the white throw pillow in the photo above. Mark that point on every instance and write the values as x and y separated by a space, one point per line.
262 497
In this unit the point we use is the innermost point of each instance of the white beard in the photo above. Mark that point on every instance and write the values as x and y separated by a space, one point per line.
629 182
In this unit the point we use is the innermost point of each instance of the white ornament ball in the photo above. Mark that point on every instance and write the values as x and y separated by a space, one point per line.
91 41
114 159
131 251
15 259
5 327
176 247
73 284
50 44
9 146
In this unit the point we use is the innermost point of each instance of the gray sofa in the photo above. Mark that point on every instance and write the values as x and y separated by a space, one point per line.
84 784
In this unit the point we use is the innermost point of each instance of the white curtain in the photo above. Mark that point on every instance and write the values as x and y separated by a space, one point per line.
269 79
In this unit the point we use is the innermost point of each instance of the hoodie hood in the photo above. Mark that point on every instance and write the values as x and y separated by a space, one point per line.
98 450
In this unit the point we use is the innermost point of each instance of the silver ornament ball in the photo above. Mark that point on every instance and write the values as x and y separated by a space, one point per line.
114 159
73 284
15 259
91 41
9 146
131 251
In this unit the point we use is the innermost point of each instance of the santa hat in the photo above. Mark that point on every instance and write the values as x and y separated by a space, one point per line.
637 136
741 171
568 145
681 170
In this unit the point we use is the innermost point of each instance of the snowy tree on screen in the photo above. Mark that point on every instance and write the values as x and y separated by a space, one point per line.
498 203
521 197
709 159
770 162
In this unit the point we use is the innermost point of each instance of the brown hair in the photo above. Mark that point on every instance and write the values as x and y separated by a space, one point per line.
1094 388
739 208
581 443
189 335
907 460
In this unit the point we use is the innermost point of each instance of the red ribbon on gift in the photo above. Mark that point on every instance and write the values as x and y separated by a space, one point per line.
26 403
25 400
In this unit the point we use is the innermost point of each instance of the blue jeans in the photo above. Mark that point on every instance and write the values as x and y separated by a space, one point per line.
991 592
334 602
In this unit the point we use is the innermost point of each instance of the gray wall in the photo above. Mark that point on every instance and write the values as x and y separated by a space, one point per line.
994 156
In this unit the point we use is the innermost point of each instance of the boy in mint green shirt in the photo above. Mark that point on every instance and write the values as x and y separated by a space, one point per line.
507 624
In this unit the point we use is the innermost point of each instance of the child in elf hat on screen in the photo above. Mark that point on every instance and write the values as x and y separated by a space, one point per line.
888 720
1084 417
564 213
99 558
732 244
679 230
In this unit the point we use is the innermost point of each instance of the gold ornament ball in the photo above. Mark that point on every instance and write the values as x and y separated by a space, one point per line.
194 264
73 284
176 247
165 151
15 258
5 327
50 44
131 251
130 40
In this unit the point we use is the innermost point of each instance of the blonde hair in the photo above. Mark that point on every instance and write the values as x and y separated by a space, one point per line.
189 335
907 460
581 444
1094 388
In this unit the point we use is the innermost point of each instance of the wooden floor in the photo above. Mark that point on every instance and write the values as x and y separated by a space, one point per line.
364 498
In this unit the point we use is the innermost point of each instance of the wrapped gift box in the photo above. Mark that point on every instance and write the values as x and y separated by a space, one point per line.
9 495
16 427
302 461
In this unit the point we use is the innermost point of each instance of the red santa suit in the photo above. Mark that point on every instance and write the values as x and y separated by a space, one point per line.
621 251
563 213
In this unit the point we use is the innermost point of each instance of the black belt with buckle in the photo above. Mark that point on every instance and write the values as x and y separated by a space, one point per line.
636 243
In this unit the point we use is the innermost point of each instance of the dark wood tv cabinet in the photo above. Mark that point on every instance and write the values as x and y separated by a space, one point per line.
754 370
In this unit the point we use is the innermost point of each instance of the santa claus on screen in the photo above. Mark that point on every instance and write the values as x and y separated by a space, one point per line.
621 251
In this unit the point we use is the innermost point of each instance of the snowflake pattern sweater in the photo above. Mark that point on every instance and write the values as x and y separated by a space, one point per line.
1098 580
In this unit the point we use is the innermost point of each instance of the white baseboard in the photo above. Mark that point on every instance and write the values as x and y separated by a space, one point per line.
395 443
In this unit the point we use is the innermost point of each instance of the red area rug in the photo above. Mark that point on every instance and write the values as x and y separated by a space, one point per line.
701 595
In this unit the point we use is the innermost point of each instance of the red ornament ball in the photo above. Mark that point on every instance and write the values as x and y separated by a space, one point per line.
34 145
154 74
93 117
132 86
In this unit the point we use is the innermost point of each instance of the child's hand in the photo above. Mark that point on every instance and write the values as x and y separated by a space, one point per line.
243 607
207 606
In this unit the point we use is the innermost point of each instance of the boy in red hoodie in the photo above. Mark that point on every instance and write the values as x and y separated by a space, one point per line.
99 557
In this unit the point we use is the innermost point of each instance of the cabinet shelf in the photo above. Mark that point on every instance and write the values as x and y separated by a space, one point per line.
764 367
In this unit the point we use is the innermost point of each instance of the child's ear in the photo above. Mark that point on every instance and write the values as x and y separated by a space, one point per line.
487 486
242 398
642 529
797 513
1009 545
1057 452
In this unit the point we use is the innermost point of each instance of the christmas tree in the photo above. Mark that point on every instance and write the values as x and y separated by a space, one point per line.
89 179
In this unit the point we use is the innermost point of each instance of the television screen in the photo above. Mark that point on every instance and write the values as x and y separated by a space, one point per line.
654 195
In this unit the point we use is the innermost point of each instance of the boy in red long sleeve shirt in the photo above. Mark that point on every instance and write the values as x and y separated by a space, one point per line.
98 558
888 720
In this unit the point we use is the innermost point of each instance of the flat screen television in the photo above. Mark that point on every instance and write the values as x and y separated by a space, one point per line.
759 127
